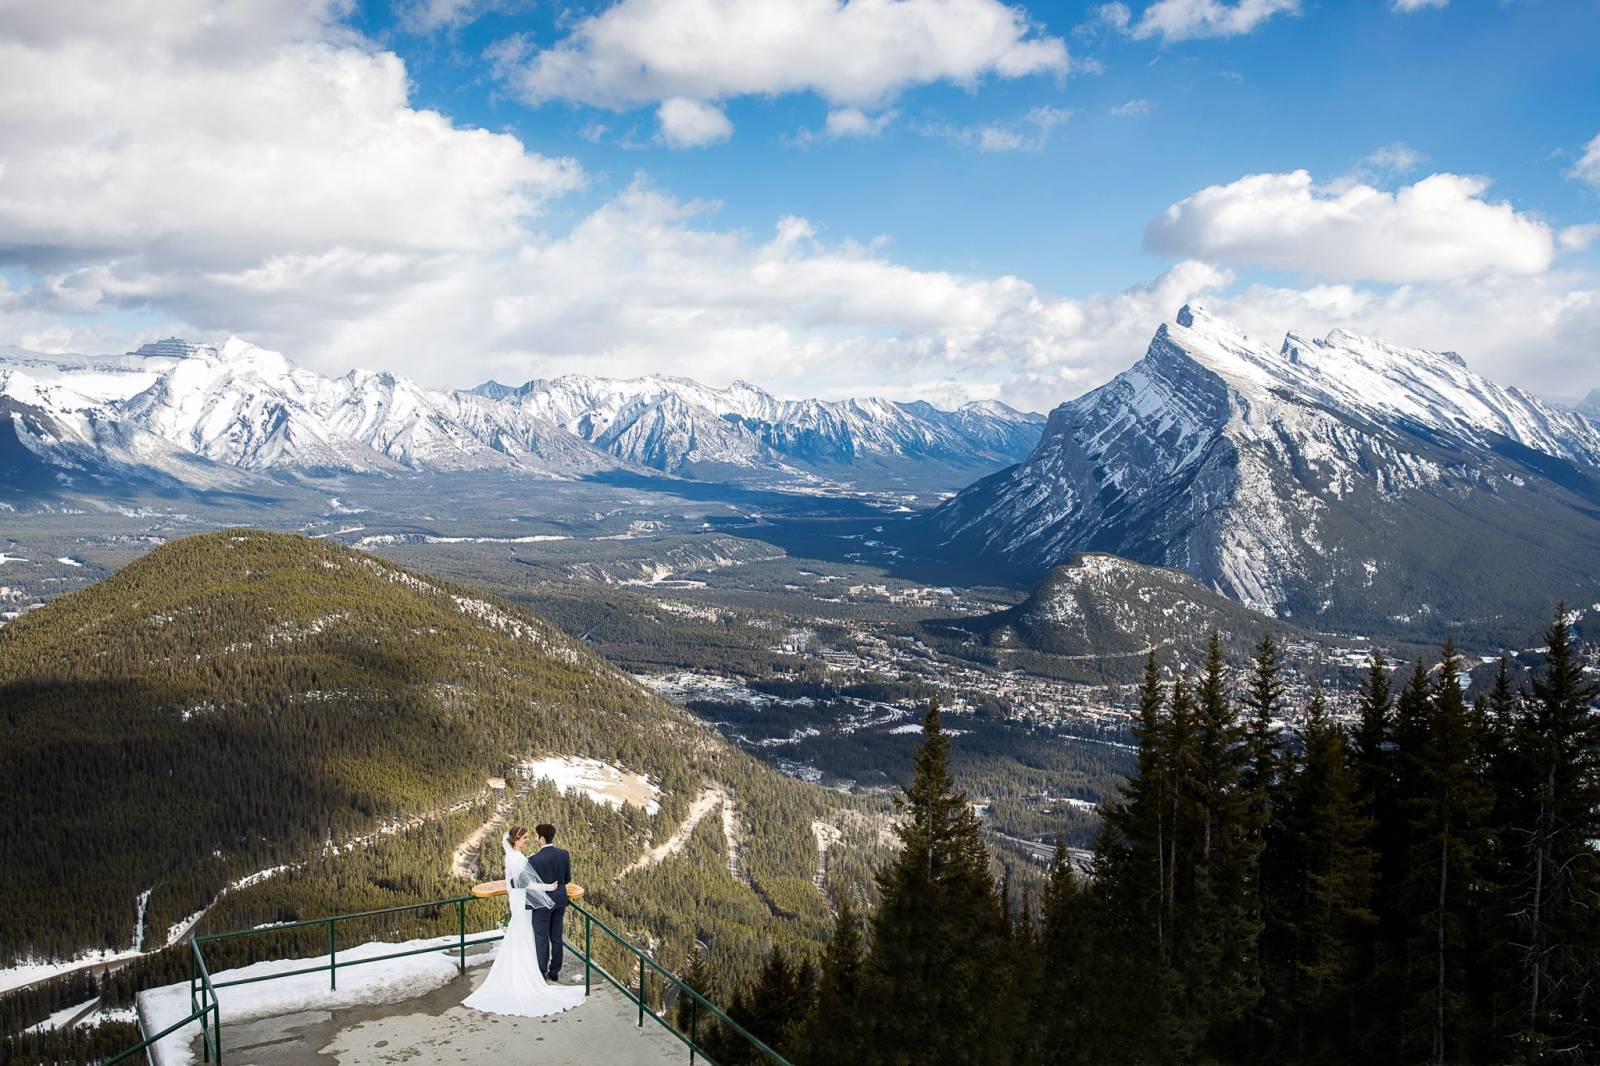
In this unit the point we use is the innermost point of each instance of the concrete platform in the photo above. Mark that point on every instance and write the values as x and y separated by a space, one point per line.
436 1028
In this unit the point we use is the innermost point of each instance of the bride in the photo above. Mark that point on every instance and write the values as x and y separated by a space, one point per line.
514 984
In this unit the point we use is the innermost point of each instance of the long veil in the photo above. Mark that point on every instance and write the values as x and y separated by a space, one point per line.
520 875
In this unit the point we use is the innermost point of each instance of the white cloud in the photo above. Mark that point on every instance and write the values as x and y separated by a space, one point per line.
1436 229
1132 107
1029 131
1397 158
1417 5
1183 20
1587 168
854 122
1577 238
1540 331
859 53
689 123
215 136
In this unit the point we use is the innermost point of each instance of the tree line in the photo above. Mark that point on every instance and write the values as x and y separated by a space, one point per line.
1413 882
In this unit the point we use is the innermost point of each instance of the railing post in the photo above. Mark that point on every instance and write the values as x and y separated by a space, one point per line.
694 1028
461 917
216 1021
586 955
333 953
641 990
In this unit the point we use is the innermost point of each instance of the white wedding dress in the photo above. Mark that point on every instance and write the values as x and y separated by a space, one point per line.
514 984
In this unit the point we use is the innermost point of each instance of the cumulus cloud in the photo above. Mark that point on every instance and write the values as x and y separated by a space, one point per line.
860 53
1587 168
1437 229
209 136
692 123
1183 20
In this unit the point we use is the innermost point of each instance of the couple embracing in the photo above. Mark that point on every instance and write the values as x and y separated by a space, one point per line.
523 978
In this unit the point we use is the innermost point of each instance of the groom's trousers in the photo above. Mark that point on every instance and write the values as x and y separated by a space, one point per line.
547 931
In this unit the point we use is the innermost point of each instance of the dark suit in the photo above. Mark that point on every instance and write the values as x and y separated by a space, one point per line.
550 863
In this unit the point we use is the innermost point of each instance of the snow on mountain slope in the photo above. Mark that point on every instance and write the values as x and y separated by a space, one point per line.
241 407
1097 606
1325 476
668 423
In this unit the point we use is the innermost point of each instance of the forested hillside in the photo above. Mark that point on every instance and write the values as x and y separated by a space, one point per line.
242 701
1416 886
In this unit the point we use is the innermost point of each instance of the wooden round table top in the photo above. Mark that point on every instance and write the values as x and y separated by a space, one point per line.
489 889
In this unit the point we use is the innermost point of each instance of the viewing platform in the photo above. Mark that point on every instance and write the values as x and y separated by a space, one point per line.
435 1028
381 1001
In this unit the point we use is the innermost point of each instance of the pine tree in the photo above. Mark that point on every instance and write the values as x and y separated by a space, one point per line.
1067 969
1134 881
1332 910
1553 870
836 1030
1262 778
1375 762
939 927
1446 805
1219 935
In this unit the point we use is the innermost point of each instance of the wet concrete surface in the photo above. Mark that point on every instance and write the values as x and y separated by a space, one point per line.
436 1028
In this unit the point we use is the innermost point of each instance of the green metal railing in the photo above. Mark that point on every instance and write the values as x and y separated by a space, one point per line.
207 1011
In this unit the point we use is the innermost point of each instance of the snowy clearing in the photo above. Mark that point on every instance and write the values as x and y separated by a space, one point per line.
373 983
600 781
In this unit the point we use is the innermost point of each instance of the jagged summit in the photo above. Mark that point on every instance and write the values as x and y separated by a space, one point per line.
239 406
1327 474
172 348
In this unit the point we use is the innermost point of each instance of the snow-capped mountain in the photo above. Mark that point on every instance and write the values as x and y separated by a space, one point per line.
212 414
1339 476
670 423
1590 406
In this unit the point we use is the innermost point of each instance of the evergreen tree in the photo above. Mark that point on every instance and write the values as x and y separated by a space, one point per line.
1067 970
1218 936
939 928
1266 765
836 1030
1332 908
1446 807
1134 882
1553 870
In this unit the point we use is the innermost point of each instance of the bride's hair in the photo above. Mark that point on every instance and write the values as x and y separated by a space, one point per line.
515 834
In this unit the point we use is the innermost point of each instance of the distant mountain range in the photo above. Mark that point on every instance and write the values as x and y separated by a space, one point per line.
211 417
1340 481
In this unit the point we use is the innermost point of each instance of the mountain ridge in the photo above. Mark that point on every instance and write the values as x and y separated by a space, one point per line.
1338 477
243 407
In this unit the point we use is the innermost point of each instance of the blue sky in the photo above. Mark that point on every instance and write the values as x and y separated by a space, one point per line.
458 189
1510 91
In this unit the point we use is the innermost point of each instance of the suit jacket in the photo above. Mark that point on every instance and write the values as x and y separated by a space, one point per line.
553 864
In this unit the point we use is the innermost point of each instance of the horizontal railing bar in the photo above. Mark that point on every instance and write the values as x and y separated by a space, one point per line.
237 933
333 965
653 964
168 1031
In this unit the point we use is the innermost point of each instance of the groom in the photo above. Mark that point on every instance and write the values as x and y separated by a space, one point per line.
551 864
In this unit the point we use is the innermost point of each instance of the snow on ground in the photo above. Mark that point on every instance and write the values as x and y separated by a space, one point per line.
600 781
373 983
62 1016
67 560
4 558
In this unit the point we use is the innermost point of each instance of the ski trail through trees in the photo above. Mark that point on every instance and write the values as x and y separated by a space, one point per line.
702 806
